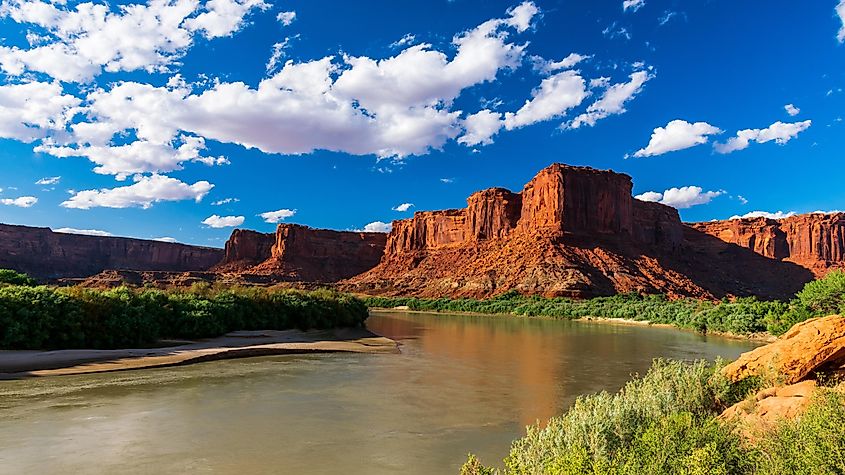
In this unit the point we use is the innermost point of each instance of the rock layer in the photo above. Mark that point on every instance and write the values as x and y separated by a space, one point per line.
299 253
45 254
578 232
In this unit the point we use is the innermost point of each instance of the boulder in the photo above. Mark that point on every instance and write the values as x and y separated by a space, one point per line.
816 344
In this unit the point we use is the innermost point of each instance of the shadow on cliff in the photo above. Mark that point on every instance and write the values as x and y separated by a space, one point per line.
726 269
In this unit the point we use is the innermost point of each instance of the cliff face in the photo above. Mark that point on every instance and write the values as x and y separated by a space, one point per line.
299 253
44 254
578 232
815 241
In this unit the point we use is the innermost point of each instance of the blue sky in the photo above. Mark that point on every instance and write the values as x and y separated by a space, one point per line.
139 119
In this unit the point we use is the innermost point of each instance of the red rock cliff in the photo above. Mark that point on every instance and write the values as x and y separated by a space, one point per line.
44 254
815 241
300 253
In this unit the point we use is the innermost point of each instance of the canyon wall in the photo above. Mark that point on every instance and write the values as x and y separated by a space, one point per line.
45 254
300 253
815 241
578 232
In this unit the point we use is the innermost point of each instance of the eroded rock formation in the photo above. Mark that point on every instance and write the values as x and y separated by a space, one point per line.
578 232
300 253
45 254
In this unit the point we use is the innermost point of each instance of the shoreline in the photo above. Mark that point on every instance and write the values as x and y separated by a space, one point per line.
20 364
755 337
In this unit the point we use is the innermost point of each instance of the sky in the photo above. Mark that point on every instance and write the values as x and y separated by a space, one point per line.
181 119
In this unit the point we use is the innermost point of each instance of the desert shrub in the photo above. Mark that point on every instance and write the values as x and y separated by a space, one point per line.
812 444
49 318
10 277
825 296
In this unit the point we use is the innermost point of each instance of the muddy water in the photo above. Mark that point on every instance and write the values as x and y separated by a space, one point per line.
461 384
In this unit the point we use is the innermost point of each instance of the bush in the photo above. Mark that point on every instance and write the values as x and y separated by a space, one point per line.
10 277
666 423
51 318
825 296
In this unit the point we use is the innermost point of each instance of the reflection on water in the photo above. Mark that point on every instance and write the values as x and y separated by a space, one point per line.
461 384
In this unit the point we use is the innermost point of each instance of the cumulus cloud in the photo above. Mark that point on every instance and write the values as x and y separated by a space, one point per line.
613 100
677 135
31 110
780 132
681 198
215 221
143 193
82 40
840 11
479 128
403 207
276 216
556 95
792 110
632 5
378 227
52 180
86 232
765 214
21 202
286 18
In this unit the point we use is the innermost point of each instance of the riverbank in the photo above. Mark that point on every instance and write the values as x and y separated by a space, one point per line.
239 344
759 337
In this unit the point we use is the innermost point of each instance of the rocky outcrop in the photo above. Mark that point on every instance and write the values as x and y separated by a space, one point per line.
45 254
813 345
299 253
770 406
572 231
815 241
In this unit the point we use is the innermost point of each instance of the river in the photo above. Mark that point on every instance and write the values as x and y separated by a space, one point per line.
461 384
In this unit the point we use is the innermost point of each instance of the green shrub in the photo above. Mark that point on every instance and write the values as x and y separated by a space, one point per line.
10 277
825 296
50 318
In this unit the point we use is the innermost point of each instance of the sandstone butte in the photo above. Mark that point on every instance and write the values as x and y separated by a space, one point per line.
578 232
809 350
571 231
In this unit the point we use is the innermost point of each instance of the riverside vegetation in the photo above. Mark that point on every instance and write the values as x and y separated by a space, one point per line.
741 316
42 317
666 422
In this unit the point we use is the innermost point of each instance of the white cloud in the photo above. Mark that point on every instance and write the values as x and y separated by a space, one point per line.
276 216
86 232
404 41
52 180
547 66
30 110
87 38
166 239
556 95
447 180
378 227
765 214
21 202
225 201
632 5
286 18
143 193
479 128
613 100
780 132
276 56
677 135
792 110
840 10
403 207
681 198
667 15
215 221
